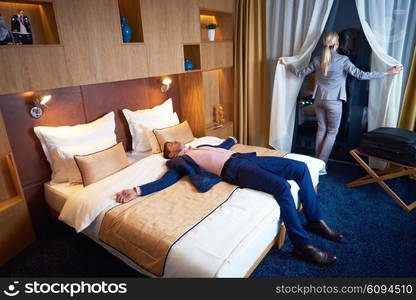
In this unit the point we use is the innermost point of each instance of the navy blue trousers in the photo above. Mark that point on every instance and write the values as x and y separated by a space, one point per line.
269 174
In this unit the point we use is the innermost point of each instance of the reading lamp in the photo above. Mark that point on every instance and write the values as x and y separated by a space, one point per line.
166 84
39 104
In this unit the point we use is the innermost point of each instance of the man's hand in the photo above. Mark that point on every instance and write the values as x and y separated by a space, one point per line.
127 195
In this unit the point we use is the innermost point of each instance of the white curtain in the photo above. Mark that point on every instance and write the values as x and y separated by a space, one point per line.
389 26
294 28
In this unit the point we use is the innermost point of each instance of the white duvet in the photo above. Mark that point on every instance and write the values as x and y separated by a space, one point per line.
225 244
81 208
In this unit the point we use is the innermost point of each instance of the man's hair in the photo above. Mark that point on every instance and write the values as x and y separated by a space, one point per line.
166 150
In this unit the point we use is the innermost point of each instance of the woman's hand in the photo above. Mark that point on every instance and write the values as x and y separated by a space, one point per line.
282 62
394 70
127 195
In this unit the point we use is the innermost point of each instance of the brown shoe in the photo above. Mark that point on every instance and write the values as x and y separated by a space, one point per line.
322 229
312 254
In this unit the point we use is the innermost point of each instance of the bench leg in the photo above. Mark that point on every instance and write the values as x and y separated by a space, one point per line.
281 237
374 177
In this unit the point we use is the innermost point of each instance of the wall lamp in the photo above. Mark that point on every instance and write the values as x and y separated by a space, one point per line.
165 85
39 104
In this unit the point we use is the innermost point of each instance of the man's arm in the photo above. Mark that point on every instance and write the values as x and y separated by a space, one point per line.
227 144
170 177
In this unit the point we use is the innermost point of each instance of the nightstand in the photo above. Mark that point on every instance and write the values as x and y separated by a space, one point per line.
223 132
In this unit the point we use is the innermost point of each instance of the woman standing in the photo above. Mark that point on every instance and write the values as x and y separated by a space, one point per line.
331 74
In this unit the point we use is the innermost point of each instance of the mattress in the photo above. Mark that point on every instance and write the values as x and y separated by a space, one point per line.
225 244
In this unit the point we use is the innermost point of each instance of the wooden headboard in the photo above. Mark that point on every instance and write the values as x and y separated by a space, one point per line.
71 106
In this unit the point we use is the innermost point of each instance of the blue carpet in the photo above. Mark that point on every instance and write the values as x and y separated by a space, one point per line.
380 239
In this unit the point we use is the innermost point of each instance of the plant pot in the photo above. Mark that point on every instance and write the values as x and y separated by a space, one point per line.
211 35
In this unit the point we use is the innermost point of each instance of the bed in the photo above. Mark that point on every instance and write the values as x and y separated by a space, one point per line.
230 242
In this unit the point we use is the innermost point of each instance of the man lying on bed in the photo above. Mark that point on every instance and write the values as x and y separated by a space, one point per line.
207 165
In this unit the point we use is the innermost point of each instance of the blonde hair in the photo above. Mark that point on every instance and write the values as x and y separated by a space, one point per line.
330 39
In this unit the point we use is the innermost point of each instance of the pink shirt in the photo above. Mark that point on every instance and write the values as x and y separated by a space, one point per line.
210 159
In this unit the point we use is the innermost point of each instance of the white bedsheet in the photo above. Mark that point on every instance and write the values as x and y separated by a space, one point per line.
225 244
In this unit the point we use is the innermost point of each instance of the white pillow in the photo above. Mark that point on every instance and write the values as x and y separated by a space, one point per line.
166 108
67 155
143 136
52 138
133 117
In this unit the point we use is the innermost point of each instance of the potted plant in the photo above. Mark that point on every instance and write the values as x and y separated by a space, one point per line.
211 30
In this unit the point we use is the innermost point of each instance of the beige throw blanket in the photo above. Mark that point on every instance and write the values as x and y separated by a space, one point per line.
146 228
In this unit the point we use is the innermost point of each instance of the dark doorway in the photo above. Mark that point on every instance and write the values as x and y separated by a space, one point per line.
344 20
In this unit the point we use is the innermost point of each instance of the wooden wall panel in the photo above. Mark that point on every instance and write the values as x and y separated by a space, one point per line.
90 53
218 89
91 38
7 189
100 99
163 31
24 69
157 97
4 140
91 49
35 63
189 17
192 101
226 92
220 5
12 76
71 106
6 184
211 95
65 109
216 55
134 59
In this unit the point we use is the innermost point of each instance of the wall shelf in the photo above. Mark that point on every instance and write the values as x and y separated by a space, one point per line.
193 70
192 52
223 19
131 10
213 42
133 43
41 17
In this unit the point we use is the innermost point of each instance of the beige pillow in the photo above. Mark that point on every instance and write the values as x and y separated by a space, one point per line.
96 166
181 133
